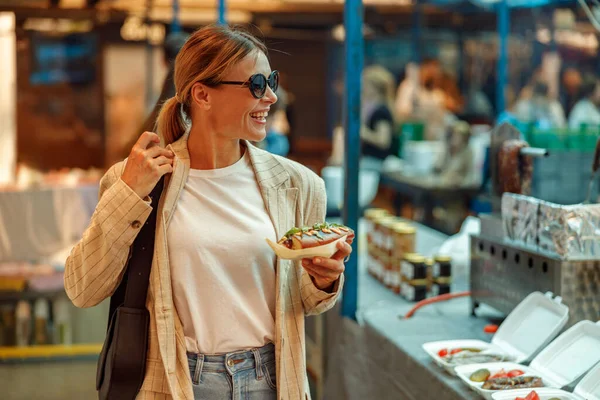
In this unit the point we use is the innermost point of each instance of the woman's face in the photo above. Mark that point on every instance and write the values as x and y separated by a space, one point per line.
234 112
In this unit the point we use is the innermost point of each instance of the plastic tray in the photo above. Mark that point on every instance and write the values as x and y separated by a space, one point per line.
529 327
587 389
571 355
464 371
543 393
325 251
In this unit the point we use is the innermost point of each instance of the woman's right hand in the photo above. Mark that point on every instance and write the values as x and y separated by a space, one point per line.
146 164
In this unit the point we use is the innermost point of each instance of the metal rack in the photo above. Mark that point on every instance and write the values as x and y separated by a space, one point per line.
503 274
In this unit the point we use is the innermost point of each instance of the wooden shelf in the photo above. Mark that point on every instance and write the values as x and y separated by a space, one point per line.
8 296
49 352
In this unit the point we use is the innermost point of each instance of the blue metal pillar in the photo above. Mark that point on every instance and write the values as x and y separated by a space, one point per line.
149 61
416 29
222 18
503 21
354 56
176 23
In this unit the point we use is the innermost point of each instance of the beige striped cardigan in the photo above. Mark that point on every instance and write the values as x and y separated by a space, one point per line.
293 196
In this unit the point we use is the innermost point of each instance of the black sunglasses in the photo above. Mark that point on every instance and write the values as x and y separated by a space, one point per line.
257 84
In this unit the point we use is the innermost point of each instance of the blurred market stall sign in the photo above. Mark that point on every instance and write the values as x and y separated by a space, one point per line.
206 6
366 2
580 40
493 3
136 30
58 25
198 15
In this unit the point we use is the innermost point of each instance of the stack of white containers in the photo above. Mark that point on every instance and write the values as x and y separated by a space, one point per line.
565 360
587 389
525 331
529 330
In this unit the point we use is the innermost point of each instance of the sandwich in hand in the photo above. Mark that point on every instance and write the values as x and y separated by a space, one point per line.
317 235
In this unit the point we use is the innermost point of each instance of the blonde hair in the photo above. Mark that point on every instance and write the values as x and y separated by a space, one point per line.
383 81
206 57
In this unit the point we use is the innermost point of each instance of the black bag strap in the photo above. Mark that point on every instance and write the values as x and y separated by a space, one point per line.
133 289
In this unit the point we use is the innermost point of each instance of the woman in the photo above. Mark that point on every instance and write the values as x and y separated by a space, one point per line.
226 316
539 109
378 123
586 109
454 169
278 127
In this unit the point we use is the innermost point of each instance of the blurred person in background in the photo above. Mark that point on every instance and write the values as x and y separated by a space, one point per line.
570 87
420 97
538 108
226 315
421 87
377 121
585 110
278 127
376 114
453 99
508 115
455 166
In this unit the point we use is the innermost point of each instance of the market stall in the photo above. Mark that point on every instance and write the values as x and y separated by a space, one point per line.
41 218
386 354
525 249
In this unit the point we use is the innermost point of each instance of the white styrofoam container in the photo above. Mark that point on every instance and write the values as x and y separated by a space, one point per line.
533 323
543 393
587 389
568 357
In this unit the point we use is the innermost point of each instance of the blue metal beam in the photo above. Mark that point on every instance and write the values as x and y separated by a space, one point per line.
222 17
176 23
416 29
502 68
354 57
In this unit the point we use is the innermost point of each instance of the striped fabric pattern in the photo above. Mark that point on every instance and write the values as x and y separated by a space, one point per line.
293 196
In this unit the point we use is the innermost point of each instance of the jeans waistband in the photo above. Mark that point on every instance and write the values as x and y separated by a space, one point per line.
231 362
267 349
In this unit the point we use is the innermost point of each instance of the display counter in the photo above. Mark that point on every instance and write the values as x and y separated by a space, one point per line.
381 357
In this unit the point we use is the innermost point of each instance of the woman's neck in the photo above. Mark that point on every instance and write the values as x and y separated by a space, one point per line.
208 150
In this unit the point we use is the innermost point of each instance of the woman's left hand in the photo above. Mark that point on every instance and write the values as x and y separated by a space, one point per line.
325 271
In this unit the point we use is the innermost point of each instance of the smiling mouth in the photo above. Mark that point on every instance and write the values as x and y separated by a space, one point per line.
259 116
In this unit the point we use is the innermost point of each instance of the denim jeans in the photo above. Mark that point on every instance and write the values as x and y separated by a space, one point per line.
243 375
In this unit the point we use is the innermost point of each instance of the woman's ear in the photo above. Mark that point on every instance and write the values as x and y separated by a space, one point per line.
201 96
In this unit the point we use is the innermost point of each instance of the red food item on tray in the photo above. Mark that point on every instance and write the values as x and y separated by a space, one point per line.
531 396
515 372
500 374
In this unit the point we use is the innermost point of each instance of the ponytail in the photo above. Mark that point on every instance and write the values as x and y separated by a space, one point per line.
170 124
206 57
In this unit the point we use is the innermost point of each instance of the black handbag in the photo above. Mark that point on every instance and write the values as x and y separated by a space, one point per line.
122 362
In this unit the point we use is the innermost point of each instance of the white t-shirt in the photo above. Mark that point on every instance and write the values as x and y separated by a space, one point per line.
222 270
584 112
